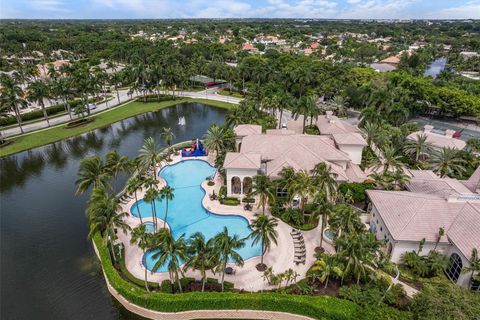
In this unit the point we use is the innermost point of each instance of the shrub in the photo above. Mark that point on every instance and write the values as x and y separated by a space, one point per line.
248 200
230 201
373 293
357 190
166 286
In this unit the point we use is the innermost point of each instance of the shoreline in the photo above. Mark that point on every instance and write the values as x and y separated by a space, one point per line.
105 118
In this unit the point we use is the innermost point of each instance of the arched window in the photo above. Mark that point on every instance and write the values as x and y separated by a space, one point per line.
247 185
236 185
239 147
454 267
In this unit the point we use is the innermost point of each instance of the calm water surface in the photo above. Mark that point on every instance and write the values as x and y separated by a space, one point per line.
48 267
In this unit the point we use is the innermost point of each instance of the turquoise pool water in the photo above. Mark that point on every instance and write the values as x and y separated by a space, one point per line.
186 215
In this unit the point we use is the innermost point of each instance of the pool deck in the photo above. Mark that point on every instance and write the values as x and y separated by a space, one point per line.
280 257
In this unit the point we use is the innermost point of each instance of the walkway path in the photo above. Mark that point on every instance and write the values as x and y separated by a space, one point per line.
209 94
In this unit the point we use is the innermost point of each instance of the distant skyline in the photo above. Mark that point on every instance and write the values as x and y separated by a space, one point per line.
162 9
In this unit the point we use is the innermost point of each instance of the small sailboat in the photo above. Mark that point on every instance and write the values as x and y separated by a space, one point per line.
181 121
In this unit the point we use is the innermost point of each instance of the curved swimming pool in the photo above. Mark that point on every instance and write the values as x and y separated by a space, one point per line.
186 215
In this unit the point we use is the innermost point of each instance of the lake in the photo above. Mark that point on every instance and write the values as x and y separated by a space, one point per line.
435 67
48 267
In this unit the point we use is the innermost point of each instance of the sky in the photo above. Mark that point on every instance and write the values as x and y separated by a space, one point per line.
162 9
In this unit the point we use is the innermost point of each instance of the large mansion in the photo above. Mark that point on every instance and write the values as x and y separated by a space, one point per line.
340 146
404 218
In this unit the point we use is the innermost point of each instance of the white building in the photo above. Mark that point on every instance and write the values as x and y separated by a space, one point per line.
279 148
404 218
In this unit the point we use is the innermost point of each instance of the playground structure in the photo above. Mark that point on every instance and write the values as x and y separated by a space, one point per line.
197 150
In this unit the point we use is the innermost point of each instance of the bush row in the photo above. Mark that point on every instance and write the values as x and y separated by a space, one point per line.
317 307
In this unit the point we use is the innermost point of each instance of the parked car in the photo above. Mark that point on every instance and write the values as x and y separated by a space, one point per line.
92 106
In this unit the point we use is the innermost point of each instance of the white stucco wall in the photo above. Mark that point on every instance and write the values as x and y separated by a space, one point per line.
241 173
354 152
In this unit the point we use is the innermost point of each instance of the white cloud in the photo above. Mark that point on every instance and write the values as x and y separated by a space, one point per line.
353 1
377 9
470 10
56 6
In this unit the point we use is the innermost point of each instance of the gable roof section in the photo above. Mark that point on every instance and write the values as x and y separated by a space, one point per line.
242 160
465 229
246 129
350 138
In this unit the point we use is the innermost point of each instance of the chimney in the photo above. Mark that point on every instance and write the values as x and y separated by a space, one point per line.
427 128
449 133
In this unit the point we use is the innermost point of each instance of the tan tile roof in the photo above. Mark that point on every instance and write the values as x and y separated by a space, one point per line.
465 229
411 216
439 140
437 186
333 125
354 173
280 131
352 138
473 183
247 129
242 160
391 60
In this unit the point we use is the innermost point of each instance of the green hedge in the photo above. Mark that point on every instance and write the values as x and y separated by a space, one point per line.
317 307
154 98
230 201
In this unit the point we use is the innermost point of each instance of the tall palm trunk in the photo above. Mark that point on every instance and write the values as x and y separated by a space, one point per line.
178 281
67 105
154 216
263 250
204 279
322 227
44 110
19 118
280 120
166 214
146 272
223 273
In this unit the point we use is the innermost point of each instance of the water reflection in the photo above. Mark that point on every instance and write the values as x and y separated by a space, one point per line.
47 265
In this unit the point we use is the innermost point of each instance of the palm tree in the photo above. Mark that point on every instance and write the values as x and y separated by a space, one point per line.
133 184
226 247
171 250
62 89
37 92
390 159
143 239
302 185
474 265
11 97
323 209
150 197
91 172
215 138
313 109
264 232
418 148
325 267
115 163
371 130
149 155
262 187
200 255
324 180
167 194
441 233
168 134
345 220
302 107
447 161
104 217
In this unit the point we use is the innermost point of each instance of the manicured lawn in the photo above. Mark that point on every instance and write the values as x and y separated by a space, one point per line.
57 133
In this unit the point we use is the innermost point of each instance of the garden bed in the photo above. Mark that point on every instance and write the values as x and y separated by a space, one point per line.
78 123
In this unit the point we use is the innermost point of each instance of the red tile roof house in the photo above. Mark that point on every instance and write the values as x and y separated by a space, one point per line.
279 148
404 218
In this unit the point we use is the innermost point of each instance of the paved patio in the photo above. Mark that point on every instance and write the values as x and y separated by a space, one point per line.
280 257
